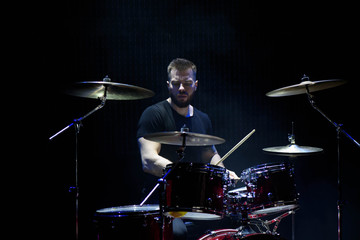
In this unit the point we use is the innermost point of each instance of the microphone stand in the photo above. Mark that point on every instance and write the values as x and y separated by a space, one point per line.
77 124
339 131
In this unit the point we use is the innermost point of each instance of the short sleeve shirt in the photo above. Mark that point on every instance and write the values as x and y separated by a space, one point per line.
161 117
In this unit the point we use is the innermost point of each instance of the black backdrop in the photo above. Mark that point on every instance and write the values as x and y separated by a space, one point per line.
239 58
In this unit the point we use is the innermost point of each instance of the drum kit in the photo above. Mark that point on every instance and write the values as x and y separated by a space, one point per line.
194 191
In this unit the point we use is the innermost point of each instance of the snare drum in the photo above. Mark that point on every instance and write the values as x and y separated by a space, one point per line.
272 188
233 234
237 201
139 222
196 191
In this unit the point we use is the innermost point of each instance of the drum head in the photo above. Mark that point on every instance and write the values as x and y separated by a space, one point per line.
241 192
251 174
275 209
193 215
197 168
139 222
128 210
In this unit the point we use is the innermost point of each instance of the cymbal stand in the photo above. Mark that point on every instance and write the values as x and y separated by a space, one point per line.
77 123
161 182
339 130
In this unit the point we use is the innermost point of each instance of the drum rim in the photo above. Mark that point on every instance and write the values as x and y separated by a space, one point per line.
269 209
194 210
252 173
205 166
270 165
229 230
137 210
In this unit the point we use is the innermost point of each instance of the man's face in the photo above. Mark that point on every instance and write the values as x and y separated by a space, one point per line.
182 87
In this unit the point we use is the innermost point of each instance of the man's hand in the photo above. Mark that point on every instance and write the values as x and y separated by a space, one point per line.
233 176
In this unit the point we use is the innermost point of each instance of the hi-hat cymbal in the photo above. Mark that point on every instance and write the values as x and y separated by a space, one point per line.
293 149
301 87
114 91
176 138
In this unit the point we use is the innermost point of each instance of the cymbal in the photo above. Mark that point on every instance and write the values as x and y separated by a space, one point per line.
301 87
293 149
176 138
115 91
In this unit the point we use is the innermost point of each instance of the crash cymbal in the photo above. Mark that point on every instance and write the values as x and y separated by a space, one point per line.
176 138
115 91
293 149
301 87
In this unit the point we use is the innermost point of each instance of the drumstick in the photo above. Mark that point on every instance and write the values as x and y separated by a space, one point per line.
235 147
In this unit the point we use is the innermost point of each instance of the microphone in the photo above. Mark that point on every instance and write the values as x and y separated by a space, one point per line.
106 79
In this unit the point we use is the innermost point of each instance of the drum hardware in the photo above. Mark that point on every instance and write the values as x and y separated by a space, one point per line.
104 90
307 87
292 149
234 234
246 223
276 220
247 226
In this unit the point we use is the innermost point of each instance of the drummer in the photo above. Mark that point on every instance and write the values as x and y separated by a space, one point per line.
174 114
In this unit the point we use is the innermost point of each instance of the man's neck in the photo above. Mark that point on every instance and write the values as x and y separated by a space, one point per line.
187 111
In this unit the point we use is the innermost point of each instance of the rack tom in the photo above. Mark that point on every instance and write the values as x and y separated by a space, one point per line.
196 191
272 188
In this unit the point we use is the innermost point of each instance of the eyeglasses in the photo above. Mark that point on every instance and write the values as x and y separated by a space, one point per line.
186 83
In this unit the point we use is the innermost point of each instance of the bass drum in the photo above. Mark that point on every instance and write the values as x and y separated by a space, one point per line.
233 234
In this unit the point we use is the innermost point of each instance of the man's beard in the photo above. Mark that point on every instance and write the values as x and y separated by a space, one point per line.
182 104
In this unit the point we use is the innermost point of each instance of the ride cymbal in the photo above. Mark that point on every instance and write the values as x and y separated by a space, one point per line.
302 87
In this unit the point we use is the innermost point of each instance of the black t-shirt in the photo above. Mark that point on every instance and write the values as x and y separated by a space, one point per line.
162 117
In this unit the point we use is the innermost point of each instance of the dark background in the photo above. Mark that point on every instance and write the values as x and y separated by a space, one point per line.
242 50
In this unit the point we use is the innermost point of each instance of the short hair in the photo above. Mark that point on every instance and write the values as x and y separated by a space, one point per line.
181 64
